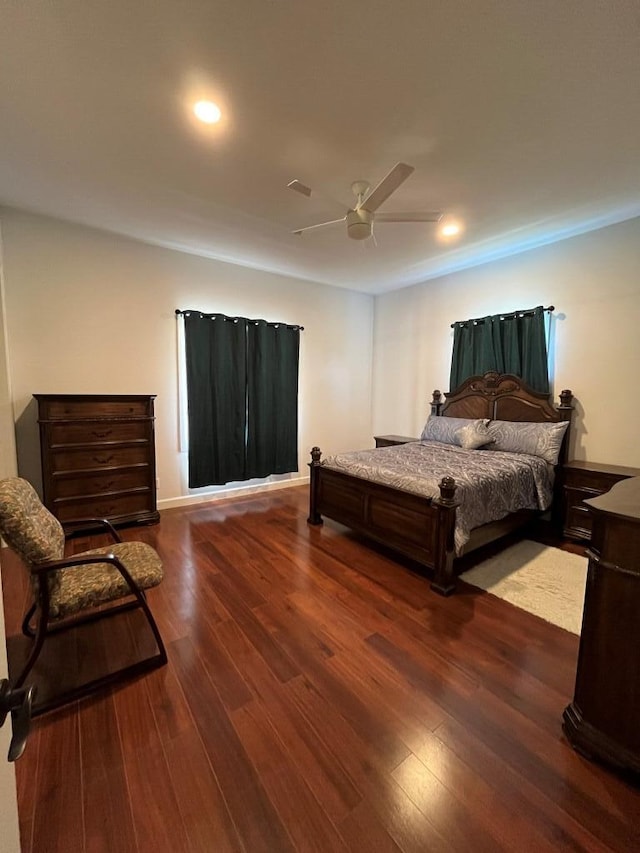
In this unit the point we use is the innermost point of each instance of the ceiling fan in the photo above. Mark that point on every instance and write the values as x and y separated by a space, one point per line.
363 214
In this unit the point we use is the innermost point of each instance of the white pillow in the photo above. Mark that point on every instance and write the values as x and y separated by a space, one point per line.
473 436
443 429
544 439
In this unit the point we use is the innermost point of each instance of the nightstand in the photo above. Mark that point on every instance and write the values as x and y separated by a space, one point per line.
582 480
391 440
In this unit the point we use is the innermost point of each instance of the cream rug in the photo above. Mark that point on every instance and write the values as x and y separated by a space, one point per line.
537 578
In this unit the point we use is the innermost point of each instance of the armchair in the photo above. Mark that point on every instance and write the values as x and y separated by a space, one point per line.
68 590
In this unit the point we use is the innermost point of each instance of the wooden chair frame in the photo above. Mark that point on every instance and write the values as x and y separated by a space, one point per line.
43 628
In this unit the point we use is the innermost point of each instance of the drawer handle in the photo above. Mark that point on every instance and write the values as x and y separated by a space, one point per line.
102 460
104 487
101 434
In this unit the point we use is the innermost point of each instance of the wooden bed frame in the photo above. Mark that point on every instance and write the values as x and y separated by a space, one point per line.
419 527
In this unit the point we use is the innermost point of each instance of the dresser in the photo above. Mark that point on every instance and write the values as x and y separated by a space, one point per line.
603 721
581 480
98 456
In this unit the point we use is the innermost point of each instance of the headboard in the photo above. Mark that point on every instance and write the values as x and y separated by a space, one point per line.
503 397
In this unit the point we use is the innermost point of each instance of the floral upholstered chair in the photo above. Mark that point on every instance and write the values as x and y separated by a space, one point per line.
65 588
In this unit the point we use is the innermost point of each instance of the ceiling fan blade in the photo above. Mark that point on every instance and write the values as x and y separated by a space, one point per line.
299 187
319 225
387 185
303 189
418 216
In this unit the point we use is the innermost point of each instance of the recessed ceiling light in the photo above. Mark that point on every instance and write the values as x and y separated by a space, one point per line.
450 230
207 111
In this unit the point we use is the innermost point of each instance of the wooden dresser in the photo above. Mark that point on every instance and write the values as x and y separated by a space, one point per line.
98 456
581 480
603 719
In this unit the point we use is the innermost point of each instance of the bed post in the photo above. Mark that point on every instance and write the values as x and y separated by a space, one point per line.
565 413
314 515
566 405
443 577
436 403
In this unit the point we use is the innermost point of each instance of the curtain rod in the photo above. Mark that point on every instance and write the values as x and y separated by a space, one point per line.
235 319
507 316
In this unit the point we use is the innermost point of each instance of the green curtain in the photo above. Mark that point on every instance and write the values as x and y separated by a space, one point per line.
511 343
242 397
272 399
216 356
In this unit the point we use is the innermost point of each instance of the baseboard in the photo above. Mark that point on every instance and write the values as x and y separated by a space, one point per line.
237 492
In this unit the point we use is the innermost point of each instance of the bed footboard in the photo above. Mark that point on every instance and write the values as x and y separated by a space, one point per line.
417 527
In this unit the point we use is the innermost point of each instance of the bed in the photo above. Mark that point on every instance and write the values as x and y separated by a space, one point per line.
386 504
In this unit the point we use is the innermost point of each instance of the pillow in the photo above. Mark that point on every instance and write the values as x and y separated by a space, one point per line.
473 436
443 429
544 440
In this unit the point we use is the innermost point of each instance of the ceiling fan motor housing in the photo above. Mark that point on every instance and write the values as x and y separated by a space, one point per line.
359 224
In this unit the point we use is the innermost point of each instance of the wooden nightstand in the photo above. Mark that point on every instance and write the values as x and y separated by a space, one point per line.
391 440
582 480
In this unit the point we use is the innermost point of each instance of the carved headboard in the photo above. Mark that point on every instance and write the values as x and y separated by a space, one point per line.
503 397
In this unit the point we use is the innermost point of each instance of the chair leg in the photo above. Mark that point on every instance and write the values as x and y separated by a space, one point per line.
84 690
27 630
43 629
40 634
142 598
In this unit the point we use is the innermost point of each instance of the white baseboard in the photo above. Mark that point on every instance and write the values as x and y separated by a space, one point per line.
238 491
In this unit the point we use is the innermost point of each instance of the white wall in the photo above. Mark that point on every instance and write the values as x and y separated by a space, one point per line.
91 312
594 282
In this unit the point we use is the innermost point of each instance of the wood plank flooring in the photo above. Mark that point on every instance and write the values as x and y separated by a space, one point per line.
318 697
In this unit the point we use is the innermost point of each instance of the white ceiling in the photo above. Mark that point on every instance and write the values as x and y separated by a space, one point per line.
521 117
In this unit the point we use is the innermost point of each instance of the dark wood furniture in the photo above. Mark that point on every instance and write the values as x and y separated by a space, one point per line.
393 440
603 721
581 480
72 591
98 456
419 527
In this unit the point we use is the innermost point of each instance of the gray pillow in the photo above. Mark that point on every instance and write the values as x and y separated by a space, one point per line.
473 436
443 429
543 440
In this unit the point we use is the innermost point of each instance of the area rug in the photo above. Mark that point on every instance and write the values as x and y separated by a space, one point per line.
537 578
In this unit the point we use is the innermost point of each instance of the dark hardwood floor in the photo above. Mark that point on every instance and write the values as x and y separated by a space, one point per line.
318 697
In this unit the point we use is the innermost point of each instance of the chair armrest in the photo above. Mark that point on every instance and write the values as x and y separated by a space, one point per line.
75 560
82 525
87 559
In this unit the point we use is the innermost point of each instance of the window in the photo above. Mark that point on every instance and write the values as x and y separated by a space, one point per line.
507 343
242 398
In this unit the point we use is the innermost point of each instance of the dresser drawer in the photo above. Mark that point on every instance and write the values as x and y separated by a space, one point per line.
73 410
578 521
596 481
112 507
98 459
97 432
100 483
